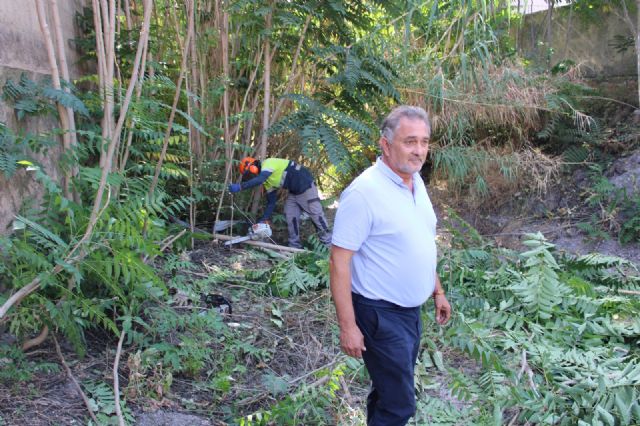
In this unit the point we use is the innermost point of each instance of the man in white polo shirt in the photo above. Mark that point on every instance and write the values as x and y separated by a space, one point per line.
383 265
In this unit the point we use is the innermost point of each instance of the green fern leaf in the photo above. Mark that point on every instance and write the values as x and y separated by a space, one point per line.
66 99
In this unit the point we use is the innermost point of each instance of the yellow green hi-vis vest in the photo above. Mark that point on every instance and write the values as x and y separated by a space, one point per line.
276 166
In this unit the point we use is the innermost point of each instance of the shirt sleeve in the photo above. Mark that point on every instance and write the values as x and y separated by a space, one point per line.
272 197
353 221
258 180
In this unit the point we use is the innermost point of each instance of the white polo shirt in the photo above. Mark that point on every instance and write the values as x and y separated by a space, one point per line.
392 232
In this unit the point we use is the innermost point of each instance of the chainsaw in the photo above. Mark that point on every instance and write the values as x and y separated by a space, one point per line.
259 231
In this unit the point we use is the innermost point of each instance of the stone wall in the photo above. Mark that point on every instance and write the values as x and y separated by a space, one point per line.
586 42
22 50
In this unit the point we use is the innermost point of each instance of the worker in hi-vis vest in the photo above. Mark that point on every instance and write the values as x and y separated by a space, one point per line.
275 173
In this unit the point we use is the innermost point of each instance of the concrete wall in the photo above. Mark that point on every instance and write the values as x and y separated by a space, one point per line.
585 43
22 49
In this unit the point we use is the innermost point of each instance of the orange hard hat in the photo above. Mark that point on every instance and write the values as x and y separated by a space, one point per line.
249 165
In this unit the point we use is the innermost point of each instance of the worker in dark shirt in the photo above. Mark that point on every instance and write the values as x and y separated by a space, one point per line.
275 173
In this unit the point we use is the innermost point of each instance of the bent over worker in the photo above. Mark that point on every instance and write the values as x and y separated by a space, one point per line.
383 266
275 173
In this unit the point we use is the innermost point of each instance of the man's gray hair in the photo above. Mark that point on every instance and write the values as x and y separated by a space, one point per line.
390 124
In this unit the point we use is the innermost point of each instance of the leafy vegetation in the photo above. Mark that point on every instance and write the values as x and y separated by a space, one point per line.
555 335
615 211
548 338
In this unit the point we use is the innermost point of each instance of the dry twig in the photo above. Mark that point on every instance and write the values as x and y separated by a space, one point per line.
526 368
116 380
75 382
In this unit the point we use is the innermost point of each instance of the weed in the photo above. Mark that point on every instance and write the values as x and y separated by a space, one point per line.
102 403
15 367
617 213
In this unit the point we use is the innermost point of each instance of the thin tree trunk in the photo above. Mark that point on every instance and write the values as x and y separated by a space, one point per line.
100 54
127 17
192 204
193 133
113 144
262 147
174 106
62 55
194 102
103 49
292 73
246 96
518 30
228 143
55 79
125 156
116 379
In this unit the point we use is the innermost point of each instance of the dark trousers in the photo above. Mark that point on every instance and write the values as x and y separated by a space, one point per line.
392 338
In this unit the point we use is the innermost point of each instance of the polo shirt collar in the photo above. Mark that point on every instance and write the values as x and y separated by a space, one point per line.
386 170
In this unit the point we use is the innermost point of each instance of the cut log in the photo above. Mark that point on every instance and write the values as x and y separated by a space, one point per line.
261 244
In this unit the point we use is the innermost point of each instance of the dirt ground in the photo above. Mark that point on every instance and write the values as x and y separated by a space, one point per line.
301 345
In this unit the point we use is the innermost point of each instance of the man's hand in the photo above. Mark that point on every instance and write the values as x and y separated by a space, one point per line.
351 338
352 341
234 187
443 309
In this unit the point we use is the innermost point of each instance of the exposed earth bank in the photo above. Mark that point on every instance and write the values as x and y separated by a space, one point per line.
571 213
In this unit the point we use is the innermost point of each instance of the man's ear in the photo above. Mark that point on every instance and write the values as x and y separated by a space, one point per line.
384 145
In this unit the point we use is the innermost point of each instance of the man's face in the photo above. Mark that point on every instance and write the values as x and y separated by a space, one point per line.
406 154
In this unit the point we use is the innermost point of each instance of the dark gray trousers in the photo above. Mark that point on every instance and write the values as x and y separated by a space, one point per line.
308 202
